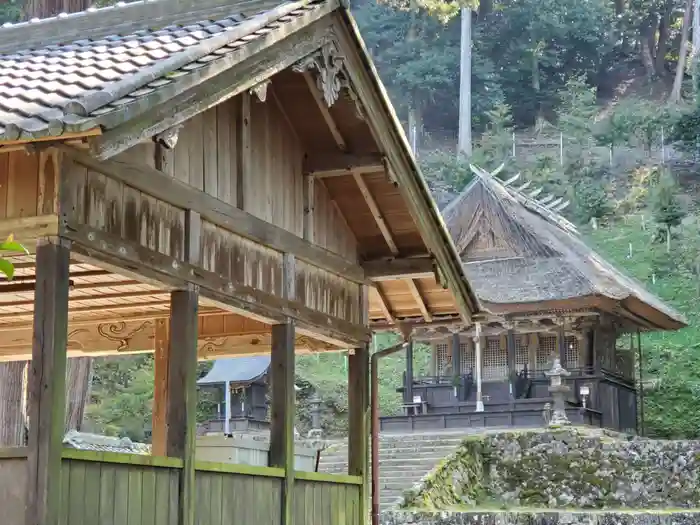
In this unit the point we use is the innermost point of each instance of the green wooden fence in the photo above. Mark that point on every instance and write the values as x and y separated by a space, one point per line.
120 489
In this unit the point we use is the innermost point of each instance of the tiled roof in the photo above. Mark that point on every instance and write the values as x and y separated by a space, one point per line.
63 87
98 443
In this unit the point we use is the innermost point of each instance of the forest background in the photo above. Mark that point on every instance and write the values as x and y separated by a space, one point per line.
595 100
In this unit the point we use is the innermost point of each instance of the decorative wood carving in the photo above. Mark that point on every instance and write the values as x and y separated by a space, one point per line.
260 90
328 67
168 138
120 333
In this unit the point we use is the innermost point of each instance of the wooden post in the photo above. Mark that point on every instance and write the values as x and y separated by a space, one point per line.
561 339
181 403
478 358
160 390
282 420
408 387
47 382
283 397
510 359
358 431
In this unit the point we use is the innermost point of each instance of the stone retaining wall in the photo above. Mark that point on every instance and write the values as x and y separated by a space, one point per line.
539 518
568 468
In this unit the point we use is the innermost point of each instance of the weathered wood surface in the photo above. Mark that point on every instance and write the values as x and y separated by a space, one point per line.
13 485
322 503
112 493
229 499
124 222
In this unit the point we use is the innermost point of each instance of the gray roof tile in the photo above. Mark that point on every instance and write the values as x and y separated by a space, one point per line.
40 84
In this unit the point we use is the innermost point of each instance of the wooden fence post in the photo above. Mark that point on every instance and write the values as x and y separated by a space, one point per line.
47 382
181 403
358 431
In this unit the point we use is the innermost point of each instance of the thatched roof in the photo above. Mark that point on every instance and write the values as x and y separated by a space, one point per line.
520 254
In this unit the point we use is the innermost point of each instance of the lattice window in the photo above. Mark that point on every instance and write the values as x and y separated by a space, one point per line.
443 365
572 352
495 360
467 361
546 352
521 352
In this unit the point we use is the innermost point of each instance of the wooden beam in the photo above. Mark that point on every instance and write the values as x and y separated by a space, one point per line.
94 132
309 195
231 218
376 213
358 423
159 419
27 230
239 298
47 383
399 268
181 402
415 292
384 305
337 164
283 408
325 111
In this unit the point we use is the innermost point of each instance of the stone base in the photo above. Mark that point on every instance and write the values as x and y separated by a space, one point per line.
525 517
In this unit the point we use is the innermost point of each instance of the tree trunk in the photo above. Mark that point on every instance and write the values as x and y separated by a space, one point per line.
662 45
675 96
13 387
78 381
693 63
646 38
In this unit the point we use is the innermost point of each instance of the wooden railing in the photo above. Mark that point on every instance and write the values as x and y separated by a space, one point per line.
122 489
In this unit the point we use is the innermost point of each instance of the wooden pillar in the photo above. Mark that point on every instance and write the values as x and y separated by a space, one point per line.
408 387
477 356
510 360
283 407
561 340
456 364
160 390
358 408
47 382
181 397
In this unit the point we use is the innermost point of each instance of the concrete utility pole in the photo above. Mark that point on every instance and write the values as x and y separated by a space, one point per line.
465 85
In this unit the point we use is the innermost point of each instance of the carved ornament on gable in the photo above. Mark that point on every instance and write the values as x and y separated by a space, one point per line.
121 333
327 65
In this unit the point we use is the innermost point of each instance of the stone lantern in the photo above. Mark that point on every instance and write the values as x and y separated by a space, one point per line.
315 411
558 390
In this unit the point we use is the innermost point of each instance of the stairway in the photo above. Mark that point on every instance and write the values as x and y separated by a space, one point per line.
403 460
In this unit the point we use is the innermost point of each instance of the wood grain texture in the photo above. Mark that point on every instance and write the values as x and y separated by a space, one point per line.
319 503
13 481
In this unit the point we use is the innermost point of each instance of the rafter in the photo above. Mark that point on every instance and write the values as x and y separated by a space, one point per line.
325 111
376 213
384 305
415 292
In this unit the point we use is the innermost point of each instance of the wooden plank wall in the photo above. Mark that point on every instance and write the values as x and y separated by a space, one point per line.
27 184
118 494
229 499
323 503
13 485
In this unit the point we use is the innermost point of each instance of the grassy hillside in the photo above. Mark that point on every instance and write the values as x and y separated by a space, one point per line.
671 360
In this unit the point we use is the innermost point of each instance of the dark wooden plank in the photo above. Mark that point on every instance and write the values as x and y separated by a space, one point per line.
163 268
244 141
210 145
283 408
216 497
231 218
174 498
358 408
182 395
47 382
162 497
64 517
202 499
225 155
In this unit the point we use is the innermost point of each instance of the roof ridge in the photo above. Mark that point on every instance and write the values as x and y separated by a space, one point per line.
116 90
121 18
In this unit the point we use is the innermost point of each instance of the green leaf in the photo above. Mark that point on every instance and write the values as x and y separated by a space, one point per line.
7 268
12 246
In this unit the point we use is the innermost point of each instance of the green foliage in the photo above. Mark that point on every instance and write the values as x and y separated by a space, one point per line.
665 205
10 11
591 199
671 359
578 107
6 266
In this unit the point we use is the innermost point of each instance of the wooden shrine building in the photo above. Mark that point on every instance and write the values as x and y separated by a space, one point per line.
200 180
240 385
546 295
